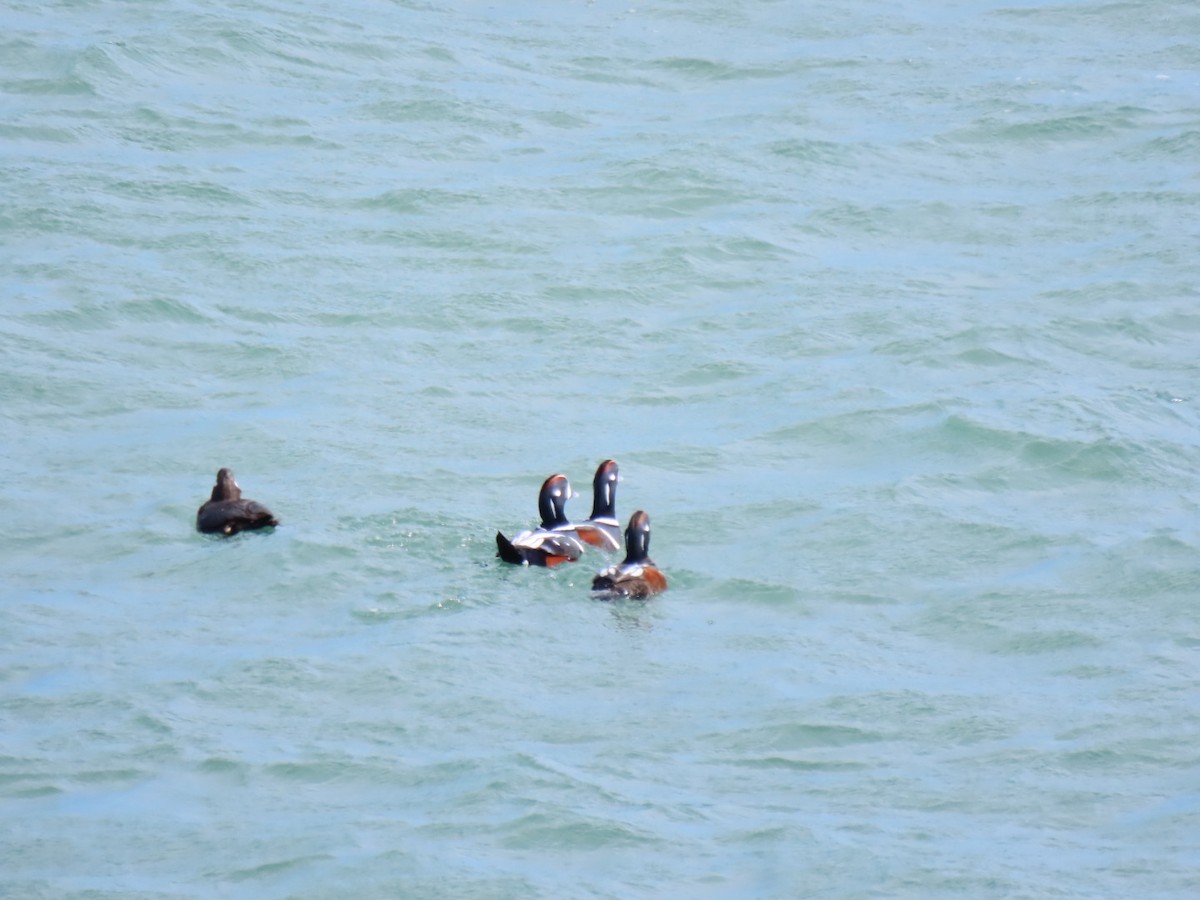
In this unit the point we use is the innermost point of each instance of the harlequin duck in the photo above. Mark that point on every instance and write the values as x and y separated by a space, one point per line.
636 576
602 529
554 542
227 513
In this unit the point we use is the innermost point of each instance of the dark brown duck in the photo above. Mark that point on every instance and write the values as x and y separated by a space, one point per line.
227 513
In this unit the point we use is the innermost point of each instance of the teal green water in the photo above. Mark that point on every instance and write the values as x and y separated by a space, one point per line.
888 311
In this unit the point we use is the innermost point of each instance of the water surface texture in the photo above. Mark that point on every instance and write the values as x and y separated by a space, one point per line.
889 312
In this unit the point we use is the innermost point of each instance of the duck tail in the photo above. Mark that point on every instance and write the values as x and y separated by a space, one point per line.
506 551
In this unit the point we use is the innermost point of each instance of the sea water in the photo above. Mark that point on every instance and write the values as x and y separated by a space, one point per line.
888 311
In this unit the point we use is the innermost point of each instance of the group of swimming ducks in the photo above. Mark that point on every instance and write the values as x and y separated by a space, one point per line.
555 541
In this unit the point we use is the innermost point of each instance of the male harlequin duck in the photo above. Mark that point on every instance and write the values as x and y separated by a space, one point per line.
602 529
554 541
227 513
636 576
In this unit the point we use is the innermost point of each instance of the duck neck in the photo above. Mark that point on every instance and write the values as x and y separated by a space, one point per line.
553 514
604 500
637 547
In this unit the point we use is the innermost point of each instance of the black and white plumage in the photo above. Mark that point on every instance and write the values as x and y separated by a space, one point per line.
602 529
636 576
554 541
